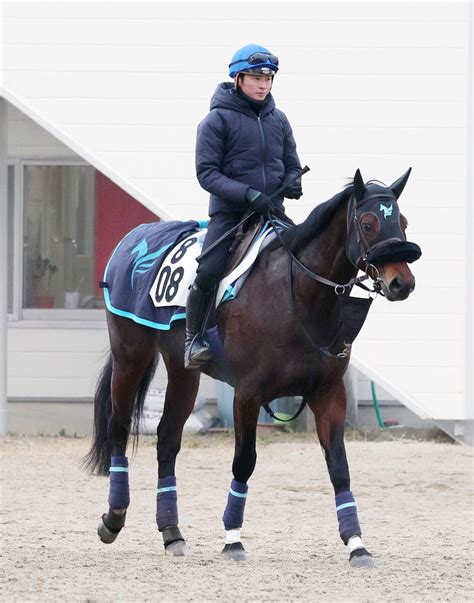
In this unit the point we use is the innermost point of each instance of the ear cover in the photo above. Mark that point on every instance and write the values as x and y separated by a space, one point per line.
398 186
359 186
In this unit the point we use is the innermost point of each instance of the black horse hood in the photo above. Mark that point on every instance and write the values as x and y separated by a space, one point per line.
225 97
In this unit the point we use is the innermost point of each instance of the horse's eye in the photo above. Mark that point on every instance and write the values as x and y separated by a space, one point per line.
366 227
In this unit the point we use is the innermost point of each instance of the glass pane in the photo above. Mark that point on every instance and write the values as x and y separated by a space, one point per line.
11 206
59 246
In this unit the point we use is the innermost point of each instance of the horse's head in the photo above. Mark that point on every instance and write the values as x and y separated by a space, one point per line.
376 241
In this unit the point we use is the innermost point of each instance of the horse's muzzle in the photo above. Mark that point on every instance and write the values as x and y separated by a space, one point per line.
399 286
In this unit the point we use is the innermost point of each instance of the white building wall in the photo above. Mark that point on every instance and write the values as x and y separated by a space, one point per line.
28 140
374 85
63 362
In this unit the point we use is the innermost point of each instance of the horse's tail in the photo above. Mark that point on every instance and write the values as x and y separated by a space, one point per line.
97 459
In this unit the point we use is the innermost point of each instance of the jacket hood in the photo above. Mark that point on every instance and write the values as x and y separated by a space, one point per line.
225 97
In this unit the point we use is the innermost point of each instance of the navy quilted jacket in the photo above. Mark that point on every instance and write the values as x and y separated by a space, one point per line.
235 149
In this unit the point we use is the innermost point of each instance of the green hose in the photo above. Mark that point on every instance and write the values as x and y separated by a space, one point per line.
376 406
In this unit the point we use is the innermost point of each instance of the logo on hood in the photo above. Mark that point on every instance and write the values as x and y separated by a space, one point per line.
387 211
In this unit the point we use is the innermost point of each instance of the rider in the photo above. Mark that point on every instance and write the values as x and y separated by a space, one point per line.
245 151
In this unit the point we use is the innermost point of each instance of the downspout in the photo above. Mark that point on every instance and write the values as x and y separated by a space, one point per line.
469 299
3 265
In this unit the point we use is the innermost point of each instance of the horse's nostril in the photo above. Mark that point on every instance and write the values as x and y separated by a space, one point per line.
396 285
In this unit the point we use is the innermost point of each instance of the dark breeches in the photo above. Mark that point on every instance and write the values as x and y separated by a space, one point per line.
212 268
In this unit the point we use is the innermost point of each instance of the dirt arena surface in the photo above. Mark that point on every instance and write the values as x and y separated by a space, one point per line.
415 507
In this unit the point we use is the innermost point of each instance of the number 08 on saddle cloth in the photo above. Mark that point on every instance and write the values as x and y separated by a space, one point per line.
148 275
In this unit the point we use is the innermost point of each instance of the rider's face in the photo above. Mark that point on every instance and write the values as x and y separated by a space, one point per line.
256 87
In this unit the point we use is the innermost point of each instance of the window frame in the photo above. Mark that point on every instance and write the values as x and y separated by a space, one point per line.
29 317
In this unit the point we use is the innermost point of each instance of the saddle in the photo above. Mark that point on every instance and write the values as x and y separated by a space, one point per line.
246 235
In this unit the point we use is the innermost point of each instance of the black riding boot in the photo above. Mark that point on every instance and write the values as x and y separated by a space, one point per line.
196 350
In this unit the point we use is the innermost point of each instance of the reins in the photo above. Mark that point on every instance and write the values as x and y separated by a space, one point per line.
340 290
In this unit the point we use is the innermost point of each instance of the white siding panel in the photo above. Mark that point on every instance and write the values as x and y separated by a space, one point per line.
427 327
149 59
59 340
161 33
432 300
50 387
289 88
415 353
27 139
164 138
65 363
31 365
210 12
336 113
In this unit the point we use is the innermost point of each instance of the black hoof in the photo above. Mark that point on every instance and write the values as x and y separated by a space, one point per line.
110 526
361 558
234 551
175 546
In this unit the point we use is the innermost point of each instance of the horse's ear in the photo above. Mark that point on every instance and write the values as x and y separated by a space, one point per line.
359 186
398 186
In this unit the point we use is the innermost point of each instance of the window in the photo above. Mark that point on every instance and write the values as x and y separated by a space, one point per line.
64 221
59 236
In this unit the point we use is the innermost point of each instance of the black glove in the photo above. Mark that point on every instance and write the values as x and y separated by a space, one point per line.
260 202
293 190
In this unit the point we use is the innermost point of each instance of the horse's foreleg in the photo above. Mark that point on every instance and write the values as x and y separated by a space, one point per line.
183 385
245 456
330 412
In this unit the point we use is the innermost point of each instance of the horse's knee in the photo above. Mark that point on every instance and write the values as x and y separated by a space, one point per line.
243 465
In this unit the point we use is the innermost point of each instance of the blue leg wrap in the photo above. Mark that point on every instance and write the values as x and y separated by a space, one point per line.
347 516
166 503
119 493
234 512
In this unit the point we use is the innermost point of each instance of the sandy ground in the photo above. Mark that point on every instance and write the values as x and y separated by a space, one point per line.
415 507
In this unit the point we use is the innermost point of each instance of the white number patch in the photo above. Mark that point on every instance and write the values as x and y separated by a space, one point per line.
177 272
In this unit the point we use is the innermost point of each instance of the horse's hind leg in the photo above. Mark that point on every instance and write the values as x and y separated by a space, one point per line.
132 369
329 408
183 385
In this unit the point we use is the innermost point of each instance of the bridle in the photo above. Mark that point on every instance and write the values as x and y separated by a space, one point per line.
364 245
350 307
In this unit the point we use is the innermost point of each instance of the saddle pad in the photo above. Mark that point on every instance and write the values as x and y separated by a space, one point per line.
148 275
132 268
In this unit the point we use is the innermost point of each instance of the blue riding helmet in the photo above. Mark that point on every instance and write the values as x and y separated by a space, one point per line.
253 59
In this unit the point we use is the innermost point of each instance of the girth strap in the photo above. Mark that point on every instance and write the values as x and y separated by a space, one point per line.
277 418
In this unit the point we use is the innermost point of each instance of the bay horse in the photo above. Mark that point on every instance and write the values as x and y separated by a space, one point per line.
283 335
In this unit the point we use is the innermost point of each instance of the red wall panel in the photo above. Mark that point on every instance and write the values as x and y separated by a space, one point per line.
116 214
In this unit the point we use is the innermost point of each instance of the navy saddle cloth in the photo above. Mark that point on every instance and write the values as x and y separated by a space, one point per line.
131 272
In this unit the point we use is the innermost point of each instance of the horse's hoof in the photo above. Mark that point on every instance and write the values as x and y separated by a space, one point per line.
234 551
175 546
361 558
176 549
110 526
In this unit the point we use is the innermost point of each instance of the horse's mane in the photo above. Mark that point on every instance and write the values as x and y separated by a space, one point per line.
300 235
